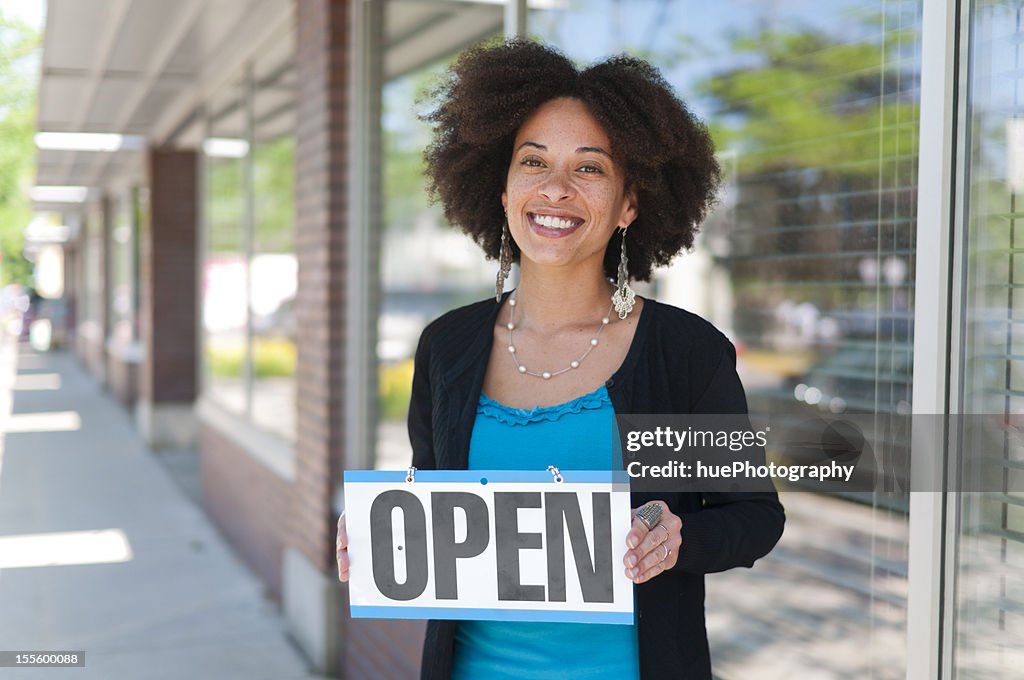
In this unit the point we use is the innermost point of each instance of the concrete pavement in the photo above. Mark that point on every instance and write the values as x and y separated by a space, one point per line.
101 551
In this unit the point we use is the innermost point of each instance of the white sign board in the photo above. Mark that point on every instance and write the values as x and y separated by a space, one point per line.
503 545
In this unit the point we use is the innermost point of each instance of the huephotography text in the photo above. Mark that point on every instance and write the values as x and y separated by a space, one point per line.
739 469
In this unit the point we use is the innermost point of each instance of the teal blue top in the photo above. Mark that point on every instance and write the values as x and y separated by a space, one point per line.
576 435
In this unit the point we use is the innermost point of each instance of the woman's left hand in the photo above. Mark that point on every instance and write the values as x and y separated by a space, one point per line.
652 551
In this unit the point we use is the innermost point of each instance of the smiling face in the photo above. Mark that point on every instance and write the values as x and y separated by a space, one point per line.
564 195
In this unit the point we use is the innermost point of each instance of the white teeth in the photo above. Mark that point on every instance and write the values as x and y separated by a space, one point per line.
553 222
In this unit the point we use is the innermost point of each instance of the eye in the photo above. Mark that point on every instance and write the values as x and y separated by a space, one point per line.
590 169
531 162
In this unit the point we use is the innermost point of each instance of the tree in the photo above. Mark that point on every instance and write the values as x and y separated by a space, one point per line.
19 45
811 99
822 133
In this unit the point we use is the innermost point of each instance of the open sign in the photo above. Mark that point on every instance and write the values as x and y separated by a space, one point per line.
497 545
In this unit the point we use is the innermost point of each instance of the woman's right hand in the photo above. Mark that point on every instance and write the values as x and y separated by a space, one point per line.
342 550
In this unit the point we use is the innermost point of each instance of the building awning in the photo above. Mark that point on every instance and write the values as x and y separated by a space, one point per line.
137 68
144 69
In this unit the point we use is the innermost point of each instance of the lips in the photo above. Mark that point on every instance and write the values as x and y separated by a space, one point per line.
552 225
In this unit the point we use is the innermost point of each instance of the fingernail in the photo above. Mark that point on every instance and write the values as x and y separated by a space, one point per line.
633 542
630 573
631 560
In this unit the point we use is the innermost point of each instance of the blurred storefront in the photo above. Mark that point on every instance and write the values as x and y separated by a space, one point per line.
252 257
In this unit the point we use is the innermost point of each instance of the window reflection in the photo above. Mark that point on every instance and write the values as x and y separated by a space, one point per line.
808 266
427 268
225 316
989 611
92 270
250 275
273 269
123 267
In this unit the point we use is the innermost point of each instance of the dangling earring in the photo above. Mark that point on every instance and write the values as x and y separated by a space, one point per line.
504 263
623 298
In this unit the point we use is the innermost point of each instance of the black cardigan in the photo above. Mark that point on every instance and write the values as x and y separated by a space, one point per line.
677 363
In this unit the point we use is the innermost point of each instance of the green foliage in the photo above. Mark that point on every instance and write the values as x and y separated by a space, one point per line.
810 100
15 268
272 358
395 389
225 204
273 195
403 139
225 362
819 135
19 46
273 187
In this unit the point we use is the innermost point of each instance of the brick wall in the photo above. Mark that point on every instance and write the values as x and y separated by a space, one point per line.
389 650
167 300
249 503
383 650
320 205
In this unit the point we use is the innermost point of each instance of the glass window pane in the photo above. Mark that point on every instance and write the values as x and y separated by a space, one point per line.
808 265
427 268
274 267
92 273
224 272
989 612
123 267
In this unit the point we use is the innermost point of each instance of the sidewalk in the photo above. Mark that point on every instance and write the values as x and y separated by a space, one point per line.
102 552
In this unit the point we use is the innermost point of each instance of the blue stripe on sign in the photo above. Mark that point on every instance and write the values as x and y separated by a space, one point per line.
466 614
531 476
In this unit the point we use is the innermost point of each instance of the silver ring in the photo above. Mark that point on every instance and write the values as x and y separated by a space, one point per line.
668 551
650 515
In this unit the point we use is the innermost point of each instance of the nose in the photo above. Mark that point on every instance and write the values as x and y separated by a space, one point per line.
557 186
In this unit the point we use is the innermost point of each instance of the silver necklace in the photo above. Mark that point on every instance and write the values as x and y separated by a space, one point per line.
547 375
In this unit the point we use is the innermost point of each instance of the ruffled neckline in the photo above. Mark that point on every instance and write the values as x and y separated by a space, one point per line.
522 416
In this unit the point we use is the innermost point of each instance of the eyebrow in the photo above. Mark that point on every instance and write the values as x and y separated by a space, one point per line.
582 149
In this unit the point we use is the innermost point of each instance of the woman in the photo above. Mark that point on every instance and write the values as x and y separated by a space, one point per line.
588 179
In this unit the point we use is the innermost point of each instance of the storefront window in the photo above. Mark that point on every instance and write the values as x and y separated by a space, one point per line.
427 268
225 317
124 267
92 266
989 608
808 265
273 269
251 271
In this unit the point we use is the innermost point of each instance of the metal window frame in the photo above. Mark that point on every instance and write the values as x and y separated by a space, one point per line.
515 18
362 283
937 359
